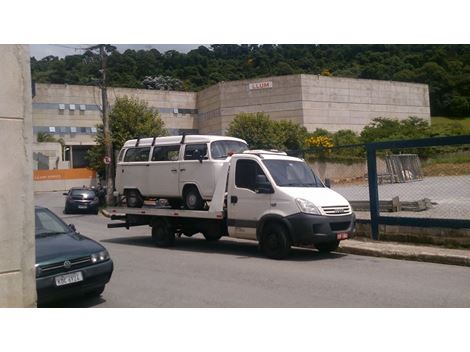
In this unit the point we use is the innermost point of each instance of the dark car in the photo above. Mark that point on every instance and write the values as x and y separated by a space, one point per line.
67 263
81 200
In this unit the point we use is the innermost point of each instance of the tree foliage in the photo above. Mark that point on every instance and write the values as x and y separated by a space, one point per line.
444 67
261 132
129 118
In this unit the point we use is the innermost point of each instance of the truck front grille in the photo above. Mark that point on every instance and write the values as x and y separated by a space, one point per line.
336 210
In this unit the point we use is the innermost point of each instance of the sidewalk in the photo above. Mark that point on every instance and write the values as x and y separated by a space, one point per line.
406 251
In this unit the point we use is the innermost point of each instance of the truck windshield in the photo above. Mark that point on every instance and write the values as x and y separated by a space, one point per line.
223 149
290 173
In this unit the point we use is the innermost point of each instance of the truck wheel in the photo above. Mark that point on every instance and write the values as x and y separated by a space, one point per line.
327 247
275 243
162 234
192 199
134 199
212 232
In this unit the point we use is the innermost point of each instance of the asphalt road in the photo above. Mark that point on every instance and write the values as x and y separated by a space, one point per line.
233 273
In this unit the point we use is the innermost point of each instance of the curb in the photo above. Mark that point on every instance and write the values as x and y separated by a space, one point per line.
406 252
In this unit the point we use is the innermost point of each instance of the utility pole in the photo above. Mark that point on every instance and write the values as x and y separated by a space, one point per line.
106 131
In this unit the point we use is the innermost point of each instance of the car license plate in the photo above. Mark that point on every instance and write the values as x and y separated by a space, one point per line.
82 207
68 278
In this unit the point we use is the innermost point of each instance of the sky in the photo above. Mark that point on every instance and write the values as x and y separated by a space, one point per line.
42 50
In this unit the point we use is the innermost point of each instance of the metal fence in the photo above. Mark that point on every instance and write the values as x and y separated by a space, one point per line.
420 183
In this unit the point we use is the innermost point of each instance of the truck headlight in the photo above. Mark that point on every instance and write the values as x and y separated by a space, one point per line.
308 207
100 257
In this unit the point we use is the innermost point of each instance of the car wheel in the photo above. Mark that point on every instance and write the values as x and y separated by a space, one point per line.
327 246
275 242
134 199
162 234
192 199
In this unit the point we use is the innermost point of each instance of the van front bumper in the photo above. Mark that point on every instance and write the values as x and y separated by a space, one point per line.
313 229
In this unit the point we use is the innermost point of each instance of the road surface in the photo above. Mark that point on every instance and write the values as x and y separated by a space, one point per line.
233 273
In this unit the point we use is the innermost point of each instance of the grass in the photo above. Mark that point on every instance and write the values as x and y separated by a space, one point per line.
441 120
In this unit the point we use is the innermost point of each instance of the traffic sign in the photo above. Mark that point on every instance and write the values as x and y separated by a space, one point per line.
107 160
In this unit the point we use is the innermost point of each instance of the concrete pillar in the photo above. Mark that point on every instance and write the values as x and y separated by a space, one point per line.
17 245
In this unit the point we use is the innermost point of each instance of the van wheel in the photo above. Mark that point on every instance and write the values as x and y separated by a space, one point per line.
162 234
134 199
327 247
275 243
192 199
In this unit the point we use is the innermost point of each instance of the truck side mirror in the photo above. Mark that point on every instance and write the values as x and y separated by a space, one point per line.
263 185
65 194
328 182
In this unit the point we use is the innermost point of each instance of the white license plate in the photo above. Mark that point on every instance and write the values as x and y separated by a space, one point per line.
82 207
68 278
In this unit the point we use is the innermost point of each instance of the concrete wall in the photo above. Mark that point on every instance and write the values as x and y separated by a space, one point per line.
335 103
315 101
17 242
177 109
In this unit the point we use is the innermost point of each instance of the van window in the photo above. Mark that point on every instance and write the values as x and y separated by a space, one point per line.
190 151
166 153
222 149
137 154
121 154
246 172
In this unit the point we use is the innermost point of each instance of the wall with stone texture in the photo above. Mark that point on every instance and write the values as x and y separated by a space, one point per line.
17 242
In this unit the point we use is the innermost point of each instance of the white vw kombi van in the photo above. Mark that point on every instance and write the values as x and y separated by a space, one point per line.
176 168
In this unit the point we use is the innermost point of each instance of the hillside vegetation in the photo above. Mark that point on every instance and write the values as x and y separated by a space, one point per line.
445 68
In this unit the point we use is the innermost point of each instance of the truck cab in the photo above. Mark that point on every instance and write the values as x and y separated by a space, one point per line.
274 198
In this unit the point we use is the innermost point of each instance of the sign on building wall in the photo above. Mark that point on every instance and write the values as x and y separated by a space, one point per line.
261 85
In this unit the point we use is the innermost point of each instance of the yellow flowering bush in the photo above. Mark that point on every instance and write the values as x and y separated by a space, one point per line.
319 142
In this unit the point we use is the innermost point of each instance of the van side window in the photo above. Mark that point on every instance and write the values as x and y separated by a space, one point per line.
166 153
137 154
246 172
121 154
190 151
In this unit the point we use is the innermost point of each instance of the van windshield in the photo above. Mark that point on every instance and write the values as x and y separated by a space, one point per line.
290 173
223 149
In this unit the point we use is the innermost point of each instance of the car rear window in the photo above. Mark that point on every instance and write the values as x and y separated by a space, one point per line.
83 192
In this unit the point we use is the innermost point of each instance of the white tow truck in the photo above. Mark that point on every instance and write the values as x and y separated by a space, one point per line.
264 196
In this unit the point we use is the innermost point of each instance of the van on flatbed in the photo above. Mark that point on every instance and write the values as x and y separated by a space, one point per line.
268 197
179 169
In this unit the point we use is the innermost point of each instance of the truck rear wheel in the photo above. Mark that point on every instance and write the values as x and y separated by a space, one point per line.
275 242
212 232
327 246
162 234
134 199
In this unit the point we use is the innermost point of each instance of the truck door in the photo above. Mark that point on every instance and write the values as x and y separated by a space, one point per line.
164 171
245 203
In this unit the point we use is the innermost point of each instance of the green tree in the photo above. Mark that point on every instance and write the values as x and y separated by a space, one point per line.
257 129
292 134
129 118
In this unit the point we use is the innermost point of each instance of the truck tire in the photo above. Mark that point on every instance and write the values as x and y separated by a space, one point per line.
192 199
327 247
162 234
275 242
134 199
212 232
